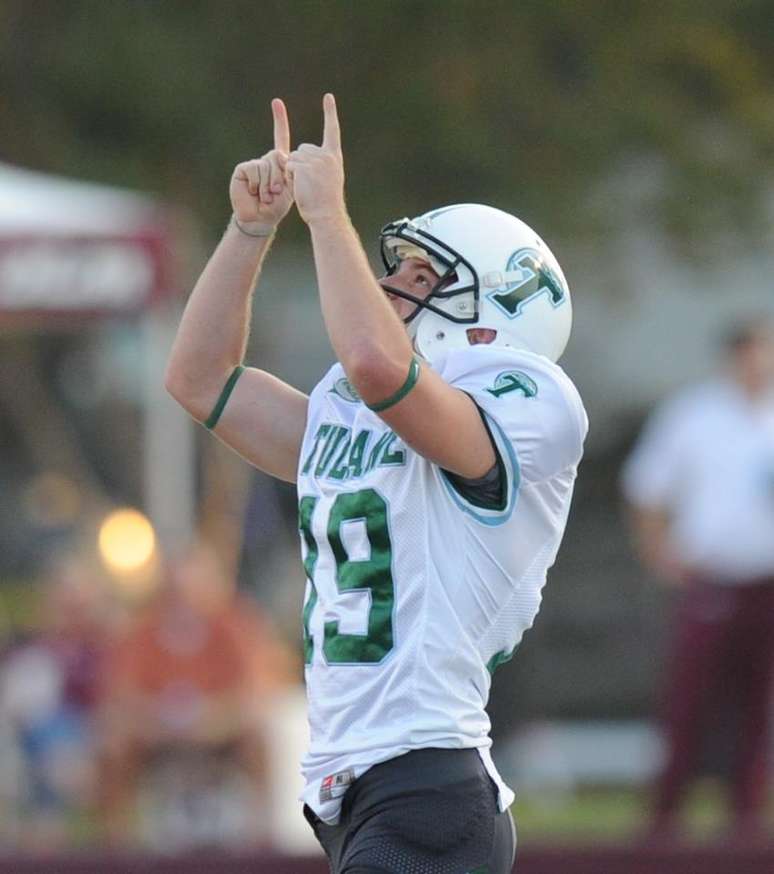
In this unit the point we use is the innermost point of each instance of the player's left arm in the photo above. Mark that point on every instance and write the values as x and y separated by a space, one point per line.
440 422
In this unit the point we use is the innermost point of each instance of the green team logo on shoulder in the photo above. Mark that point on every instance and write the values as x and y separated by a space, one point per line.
514 380
344 389
535 278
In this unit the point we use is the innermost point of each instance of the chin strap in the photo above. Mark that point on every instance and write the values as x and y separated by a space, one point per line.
496 278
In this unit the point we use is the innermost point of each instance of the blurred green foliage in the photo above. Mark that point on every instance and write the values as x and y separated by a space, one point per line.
539 107
617 815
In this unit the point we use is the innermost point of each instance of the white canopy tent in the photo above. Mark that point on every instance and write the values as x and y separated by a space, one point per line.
68 246
35 202
71 250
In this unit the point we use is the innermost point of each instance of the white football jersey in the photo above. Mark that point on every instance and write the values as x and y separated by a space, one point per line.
414 595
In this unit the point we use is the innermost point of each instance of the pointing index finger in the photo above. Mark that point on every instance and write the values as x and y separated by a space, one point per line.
331 130
281 125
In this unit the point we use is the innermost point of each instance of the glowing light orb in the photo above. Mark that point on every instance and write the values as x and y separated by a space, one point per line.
127 540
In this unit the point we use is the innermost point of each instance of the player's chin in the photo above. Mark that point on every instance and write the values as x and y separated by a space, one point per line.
397 303
403 308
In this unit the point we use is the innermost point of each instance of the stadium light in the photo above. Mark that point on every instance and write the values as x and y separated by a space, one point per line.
127 541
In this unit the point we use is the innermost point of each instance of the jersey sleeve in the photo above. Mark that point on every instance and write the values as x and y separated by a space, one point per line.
534 415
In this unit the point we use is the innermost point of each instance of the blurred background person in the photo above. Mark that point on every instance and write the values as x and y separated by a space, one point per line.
184 692
700 483
49 693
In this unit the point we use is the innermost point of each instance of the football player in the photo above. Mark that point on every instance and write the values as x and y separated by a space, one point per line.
435 464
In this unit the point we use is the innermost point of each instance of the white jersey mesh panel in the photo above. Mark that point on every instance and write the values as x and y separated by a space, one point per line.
519 610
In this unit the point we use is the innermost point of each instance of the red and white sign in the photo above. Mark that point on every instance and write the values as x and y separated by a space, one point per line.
69 248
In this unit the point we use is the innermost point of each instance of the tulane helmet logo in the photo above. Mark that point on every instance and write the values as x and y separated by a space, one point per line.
536 277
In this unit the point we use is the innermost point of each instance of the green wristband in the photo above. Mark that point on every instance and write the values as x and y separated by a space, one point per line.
411 381
217 410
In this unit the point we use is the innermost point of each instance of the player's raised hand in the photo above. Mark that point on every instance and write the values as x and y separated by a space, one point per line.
317 172
259 189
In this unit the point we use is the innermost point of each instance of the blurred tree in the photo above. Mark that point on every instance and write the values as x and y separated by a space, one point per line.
531 106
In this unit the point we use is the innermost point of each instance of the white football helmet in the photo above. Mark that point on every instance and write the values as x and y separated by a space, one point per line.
495 272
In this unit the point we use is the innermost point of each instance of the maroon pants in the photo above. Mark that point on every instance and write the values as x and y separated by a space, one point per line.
722 659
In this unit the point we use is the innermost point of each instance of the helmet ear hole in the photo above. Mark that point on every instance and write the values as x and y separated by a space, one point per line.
481 336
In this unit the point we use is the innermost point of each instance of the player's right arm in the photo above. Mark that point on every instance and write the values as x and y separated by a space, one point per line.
651 480
264 418
652 536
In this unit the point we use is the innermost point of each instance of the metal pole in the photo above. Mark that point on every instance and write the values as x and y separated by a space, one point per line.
169 458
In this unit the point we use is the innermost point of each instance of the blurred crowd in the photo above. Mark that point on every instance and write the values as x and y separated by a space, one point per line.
139 724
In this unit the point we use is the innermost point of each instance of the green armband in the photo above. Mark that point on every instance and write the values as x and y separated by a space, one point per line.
217 410
411 381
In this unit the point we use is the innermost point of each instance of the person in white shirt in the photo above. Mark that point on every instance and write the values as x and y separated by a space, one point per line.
700 483
435 464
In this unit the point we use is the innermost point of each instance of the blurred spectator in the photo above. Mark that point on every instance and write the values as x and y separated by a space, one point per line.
184 692
48 697
270 549
701 485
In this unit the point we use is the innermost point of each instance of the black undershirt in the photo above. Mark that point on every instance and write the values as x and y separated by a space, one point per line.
487 491
483 491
